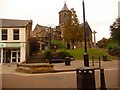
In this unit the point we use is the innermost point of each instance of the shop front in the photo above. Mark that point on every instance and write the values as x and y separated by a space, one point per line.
11 53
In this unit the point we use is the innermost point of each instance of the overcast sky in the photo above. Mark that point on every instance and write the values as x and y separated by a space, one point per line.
100 14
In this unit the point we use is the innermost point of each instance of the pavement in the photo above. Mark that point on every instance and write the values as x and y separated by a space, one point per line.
8 70
107 65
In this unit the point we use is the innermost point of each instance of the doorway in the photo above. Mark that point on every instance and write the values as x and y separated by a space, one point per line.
6 55
15 56
11 55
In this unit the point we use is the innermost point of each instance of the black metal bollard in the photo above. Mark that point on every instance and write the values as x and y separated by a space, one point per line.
85 79
104 57
102 80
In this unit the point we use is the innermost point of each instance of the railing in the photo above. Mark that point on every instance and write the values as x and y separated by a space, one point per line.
96 60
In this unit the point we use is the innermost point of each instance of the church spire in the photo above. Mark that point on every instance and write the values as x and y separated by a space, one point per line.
65 7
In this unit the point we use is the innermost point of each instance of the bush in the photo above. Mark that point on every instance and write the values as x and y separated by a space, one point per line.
60 54
47 55
113 49
59 44
64 54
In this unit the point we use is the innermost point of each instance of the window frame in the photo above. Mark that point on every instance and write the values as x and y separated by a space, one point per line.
4 35
16 34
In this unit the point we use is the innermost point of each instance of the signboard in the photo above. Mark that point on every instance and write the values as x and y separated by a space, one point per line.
3 45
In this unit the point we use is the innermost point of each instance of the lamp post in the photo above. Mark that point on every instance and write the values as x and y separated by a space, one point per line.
86 56
50 38
50 32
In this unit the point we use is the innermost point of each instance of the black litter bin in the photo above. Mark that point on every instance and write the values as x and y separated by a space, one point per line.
85 78
104 57
67 61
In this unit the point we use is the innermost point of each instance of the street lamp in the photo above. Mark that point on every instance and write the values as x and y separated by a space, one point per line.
50 38
86 56
50 45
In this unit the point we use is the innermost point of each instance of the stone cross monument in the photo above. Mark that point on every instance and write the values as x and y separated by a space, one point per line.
94 32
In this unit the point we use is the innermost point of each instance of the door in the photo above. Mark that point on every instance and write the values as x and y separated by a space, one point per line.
6 55
15 56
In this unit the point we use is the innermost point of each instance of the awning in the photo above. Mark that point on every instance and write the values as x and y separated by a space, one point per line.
16 45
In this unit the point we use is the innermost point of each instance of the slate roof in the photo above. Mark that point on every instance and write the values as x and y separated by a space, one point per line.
8 23
87 26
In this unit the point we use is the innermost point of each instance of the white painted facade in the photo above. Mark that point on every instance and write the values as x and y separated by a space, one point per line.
15 46
10 35
12 50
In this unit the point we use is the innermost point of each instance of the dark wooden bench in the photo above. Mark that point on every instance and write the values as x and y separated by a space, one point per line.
57 60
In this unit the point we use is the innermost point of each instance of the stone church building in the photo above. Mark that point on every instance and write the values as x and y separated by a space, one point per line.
66 17
57 33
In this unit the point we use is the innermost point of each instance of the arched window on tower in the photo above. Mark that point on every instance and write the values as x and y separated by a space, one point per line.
65 18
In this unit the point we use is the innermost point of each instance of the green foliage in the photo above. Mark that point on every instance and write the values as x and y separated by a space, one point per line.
113 49
115 30
112 45
73 31
64 54
78 53
97 52
47 55
60 54
59 44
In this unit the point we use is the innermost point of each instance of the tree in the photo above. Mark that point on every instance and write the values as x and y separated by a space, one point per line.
34 45
115 30
73 31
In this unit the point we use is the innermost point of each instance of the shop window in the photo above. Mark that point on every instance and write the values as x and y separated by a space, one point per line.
4 34
15 34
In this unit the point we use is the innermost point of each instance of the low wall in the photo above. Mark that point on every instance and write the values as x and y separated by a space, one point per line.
35 68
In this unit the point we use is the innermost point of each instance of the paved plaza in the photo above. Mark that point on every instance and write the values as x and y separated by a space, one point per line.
13 79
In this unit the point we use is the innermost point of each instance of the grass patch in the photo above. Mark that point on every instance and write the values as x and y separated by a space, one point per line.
97 52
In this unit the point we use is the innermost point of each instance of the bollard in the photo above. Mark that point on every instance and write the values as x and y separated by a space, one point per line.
85 78
102 80
104 57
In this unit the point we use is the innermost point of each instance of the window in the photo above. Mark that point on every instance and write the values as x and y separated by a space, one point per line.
15 34
4 34
65 18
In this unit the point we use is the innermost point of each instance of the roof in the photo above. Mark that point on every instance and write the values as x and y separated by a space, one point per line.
7 23
65 8
87 26
40 30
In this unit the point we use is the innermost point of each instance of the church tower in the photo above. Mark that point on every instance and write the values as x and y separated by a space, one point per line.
65 15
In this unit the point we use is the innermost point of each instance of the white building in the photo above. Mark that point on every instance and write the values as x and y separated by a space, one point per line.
119 9
14 35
